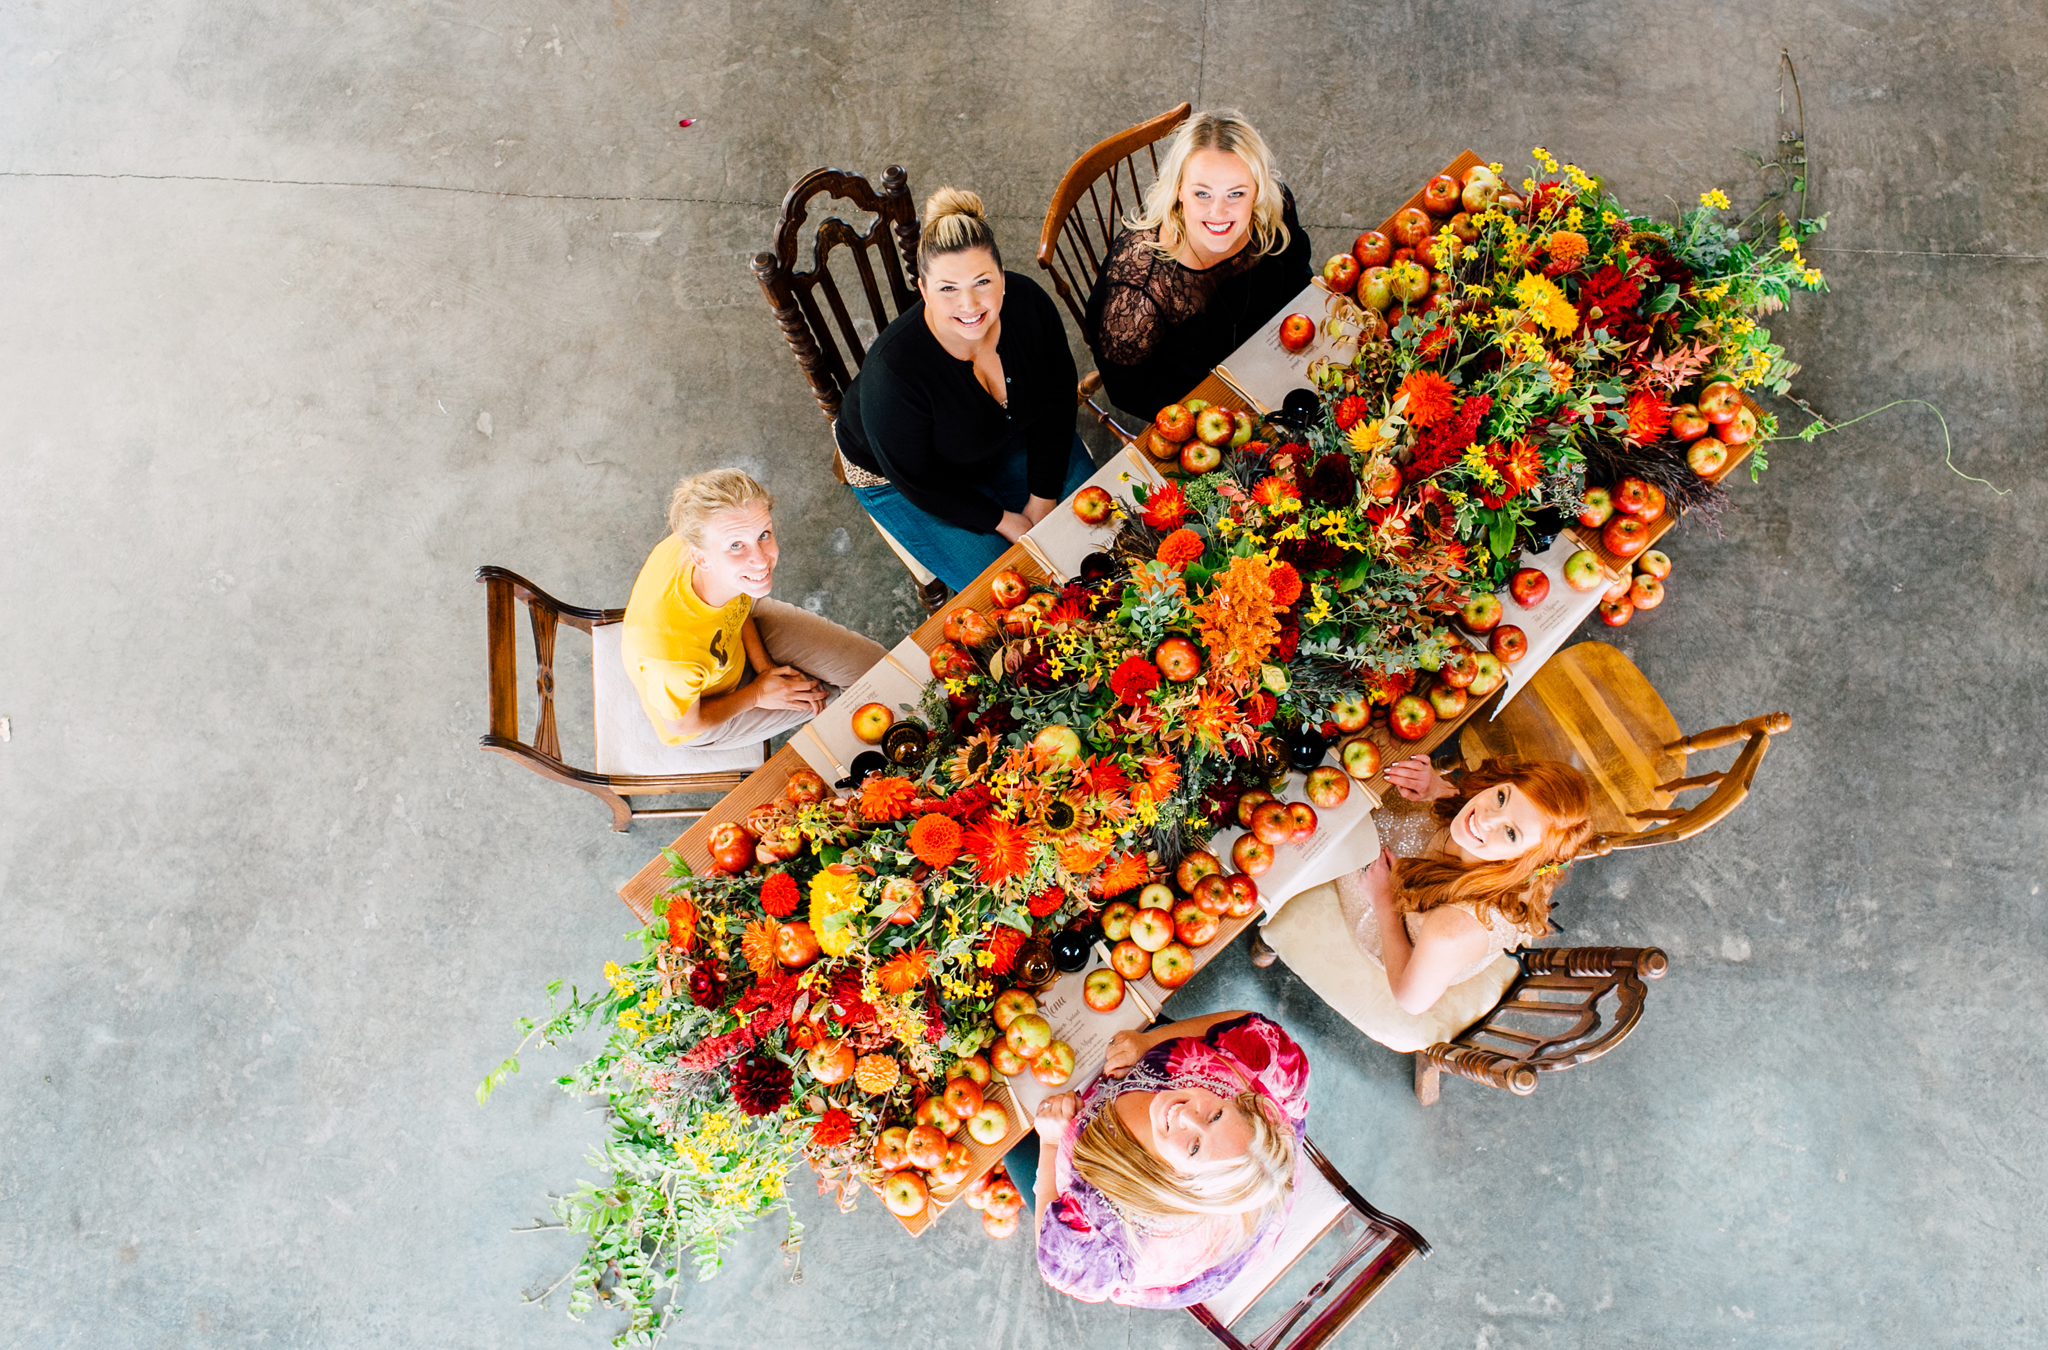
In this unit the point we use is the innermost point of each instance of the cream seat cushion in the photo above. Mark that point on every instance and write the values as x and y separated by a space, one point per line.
626 743
1317 1206
1310 935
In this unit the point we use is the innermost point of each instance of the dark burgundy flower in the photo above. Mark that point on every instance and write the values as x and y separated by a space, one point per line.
1311 555
760 1084
1333 483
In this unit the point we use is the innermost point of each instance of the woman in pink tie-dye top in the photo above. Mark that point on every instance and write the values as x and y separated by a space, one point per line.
1176 1170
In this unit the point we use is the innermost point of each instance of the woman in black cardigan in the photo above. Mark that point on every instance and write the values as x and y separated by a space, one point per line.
1215 253
958 433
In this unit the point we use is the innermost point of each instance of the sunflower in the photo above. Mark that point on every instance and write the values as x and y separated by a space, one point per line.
905 971
1000 849
1058 816
757 947
971 760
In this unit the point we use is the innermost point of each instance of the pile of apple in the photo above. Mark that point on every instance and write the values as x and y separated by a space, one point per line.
769 835
1389 272
913 1159
1720 410
1027 1041
1190 437
1158 934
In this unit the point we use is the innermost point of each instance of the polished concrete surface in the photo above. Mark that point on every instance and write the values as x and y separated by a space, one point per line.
313 308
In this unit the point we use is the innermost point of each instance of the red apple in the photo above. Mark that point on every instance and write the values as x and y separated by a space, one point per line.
1029 1035
1741 429
1103 990
1244 427
1458 668
1327 786
1653 504
1480 192
1008 588
949 661
973 1068
904 1194
1375 289
1210 893
1007 1062
1251 855
1529 586
1001 1228
1301 818
1647 592
796 946
1198 457
954 1164
1055 1066
1010 1005
892 1148
1582 571
932 1111
1058 742
1383 482
1631 495
733 848
1625 536
1656 563
1410 227
1130 960
1361 756
1407 281
830 1062
1116 919
1194 926
988 1126
1411 718
1440 196
1349 712
1092 504
1687 424
1156 895
962 1097
1706 456
925 1147
1448 700
1296 332
1272 823
1174 423
1250 802
1003 1200
1372 249
1509 643
976 1194
1482 612
1172 966
1719 402
1152 929
1178 660
1194 865
909 898
1598 507
1490 677
1615 613
1244 896
1340 273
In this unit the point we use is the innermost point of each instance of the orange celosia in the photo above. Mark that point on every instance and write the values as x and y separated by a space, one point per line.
1238 623
757 947
905 971
1000 849
886 797
1126 871
935 839
1180 548
1429 398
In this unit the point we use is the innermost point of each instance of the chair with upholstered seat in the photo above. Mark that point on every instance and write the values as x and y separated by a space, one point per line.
828 337
1087 212
630 760
1374 1247
1592 708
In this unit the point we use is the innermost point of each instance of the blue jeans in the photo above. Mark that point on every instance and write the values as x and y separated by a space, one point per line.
954 555
1021 1163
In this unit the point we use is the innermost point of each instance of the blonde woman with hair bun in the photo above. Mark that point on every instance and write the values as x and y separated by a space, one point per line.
958 433
716 661
1214 253
1175 1171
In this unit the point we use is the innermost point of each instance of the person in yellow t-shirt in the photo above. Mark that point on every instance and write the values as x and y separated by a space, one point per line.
716 661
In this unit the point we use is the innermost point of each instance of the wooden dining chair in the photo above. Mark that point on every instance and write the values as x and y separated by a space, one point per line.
1087 212
1569 1006
1373 1246
828 333
1592 708
631 761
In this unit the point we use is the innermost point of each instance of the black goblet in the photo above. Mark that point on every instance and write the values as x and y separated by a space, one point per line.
1306 745
1069 950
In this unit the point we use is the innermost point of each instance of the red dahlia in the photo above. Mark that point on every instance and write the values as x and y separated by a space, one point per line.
760 1084
1350 412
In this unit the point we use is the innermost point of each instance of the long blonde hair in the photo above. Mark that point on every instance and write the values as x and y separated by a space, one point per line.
701 496
1226 130
1151 1196
954 221
1519 887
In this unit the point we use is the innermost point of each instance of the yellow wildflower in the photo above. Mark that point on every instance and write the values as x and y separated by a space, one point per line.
1789 244
1810 277
1715 198
617 979
1546 304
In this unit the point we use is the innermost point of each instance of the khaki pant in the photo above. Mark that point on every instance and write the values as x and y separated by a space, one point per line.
817 646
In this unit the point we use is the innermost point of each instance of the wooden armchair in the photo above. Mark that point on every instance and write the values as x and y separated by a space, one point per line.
1087 211
1324 1203
823 331
1549 1019
631 760
1591 707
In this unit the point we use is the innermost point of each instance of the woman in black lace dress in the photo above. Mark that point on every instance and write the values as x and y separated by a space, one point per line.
1215 253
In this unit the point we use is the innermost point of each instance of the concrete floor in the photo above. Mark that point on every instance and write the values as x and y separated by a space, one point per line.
312 308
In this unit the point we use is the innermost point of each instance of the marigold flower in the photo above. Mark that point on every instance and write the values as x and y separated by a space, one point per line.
1566 246
1429 397
1045 902
1286 584
779 894
886 797
1133 679
935 839
834 1128
1166 508
1180 548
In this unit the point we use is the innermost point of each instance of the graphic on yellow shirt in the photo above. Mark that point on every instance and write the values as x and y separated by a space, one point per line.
677 649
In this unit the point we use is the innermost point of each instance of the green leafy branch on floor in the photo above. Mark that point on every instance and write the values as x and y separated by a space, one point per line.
1821 426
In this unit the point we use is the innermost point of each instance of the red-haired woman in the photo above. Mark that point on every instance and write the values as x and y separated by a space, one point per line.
1411 949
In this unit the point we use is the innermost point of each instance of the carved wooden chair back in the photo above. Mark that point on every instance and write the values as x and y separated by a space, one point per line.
823 329
1590 706
1549 1019
1089 206
543 753
1325 1203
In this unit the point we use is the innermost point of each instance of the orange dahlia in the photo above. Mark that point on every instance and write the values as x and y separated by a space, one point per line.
682 923
1126 871
905 971
1649 417
779 895
1286 584
1162 776
1166 507
1429 398
1046 902
886 797
1002 946
1180 548
1001 849
1079 854
1271 490
757 947
935 839
876 1074
834 1128
1566 246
